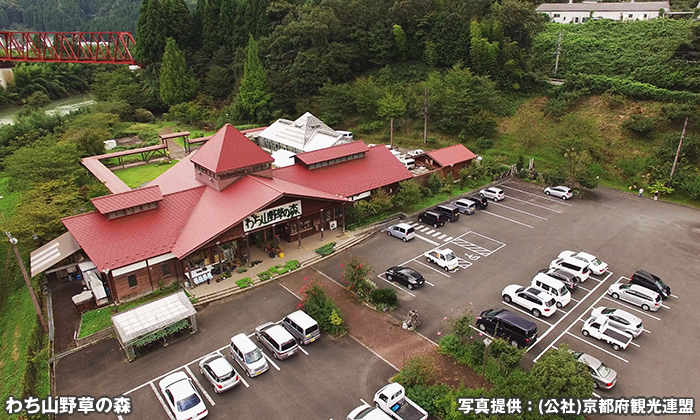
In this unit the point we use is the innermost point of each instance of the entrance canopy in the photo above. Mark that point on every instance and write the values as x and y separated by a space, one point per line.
53 252
145 319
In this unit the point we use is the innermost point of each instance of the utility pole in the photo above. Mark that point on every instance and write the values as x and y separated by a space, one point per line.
556 63
39 314
678 152
425 117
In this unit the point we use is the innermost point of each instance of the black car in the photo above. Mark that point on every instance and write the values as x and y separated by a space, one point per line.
432 218
481 202
651 282
518 331
405 275
570 280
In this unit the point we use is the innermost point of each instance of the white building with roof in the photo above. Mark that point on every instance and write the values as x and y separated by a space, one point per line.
582 12
306 134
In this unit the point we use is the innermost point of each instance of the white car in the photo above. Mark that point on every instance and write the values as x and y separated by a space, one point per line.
646 299
620 319
535 300
559 191
219 372
417 152
495 194
182 397
597 266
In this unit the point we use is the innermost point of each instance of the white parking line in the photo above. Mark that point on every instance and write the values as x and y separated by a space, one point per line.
424 228
271 362
564 317
672 295
443 236
451 238
583 288
201 388
392 283
598 347
619 302
303 351
373 352
165 407
435 234
575 300
365 402
664 306
429 231
535 205
435 270
544 197
430 241
510 220
526 313
521 211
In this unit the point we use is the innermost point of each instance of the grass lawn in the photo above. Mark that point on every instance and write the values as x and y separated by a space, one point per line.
9 200
138 175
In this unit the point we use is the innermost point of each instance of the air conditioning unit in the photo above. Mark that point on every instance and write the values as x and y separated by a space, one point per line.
332 224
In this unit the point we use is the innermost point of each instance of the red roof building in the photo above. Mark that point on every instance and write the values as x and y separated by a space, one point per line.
129 199
452 155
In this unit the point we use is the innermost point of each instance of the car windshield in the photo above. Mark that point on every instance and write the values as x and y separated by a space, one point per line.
187 403
607 311
661 284
563 291
596 261
449 256
253 356
549 303
603 371
288 345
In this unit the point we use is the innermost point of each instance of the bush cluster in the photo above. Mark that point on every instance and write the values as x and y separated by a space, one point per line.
320 307
326 249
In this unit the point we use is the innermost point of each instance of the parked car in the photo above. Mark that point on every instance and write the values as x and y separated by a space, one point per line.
621 320
597 266
558 290
219 372
465 206
367 412
535 300
432 218
417 152
449 211
392 400
445 258
518 331
182 397
402 231
599 327
495 194
277 339
651 282
575 266
481 202
347 135
569 279
304 328
559 191
248 356
646 299
603 376
405 275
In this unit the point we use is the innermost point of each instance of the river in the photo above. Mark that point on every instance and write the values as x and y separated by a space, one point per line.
59 106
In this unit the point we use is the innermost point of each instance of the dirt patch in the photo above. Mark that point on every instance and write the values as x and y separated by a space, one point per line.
451 373
128 141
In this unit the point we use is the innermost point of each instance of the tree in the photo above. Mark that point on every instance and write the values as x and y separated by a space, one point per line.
434 183
391 106
562 376
210 25
227 21
409 193
579 168
179 22
37 100
45 160
253 102
400 40
150 33
177 82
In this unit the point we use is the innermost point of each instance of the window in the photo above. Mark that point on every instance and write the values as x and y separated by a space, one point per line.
575 20
556 15
630 16
132 280
645 16
166 269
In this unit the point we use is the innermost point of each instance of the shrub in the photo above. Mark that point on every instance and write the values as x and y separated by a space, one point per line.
143 116
483 143
418 370
384 298
640 124
408 194
292 265
355 272
691 185
243 283
241 270
264 276
320 307
434 183
326 249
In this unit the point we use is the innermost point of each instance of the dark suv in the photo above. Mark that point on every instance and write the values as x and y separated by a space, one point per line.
569 279
432 218
651 282
481 202
518 331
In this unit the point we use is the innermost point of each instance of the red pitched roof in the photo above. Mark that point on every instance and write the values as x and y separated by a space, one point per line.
180 177
118 242
107 177
124 200
377 169
332 152
451 155
227 150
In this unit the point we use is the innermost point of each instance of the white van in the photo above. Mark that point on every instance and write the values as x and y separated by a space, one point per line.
248 355
577 267
347 135
302 327
408 163
554 287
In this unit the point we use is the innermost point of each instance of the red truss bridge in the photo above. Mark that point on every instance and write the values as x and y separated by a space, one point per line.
67 47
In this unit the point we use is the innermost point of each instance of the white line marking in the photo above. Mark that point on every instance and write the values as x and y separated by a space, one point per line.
526 312
646 331
274 365
375 353
424 228
165 407
449 239
564 317
435 234
287 289
430 241
443 236
427 282
543 195
201 388
303 351
365 402
596 395
536 205
435 270
672 295
510 220
521 211
598 347
242 380
619 302
120 417
429 231
392 283
575 300
583 288
664 306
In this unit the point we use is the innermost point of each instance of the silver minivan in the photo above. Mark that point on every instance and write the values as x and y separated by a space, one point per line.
403 231
465 206
248 356
302 327
277 339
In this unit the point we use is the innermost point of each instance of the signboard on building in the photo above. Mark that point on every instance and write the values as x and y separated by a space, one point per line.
270 216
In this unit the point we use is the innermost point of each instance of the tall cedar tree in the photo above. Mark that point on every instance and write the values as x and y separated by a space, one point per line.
150 33
210 26
227 21
177 82
254 97
179 22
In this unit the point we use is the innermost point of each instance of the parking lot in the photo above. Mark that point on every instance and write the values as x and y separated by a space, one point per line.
511 240
326 379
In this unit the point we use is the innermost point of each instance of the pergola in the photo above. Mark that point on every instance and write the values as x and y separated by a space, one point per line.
153 321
